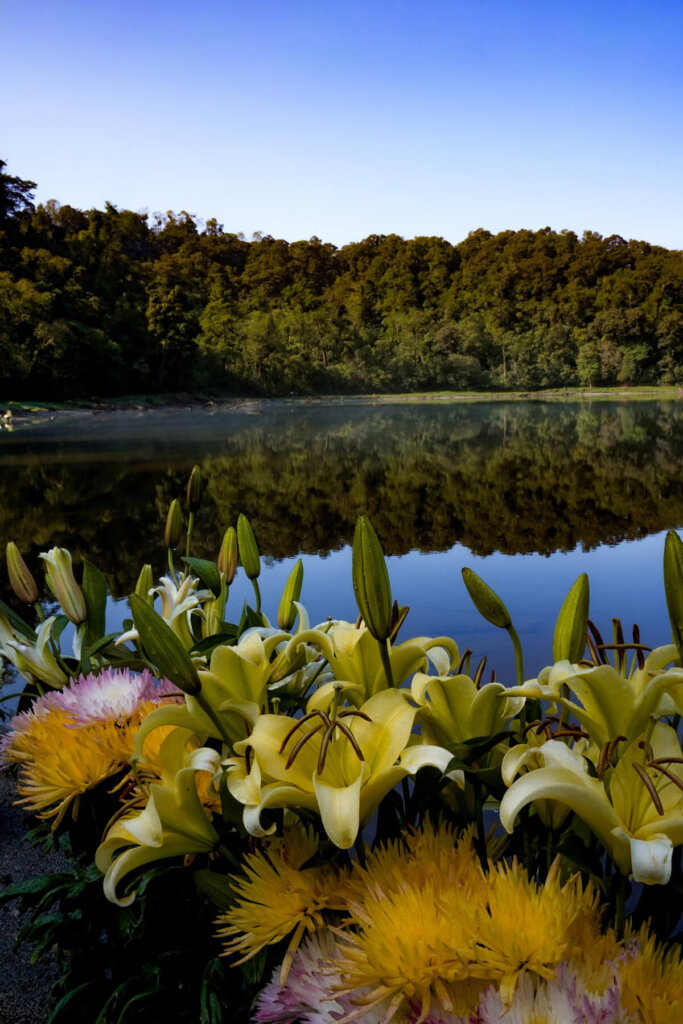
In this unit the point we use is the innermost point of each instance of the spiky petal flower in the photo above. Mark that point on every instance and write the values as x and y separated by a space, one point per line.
73 739
277 898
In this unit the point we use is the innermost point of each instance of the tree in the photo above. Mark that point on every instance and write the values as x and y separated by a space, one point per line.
16 195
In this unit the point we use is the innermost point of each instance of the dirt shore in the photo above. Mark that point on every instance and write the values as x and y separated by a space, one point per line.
24 988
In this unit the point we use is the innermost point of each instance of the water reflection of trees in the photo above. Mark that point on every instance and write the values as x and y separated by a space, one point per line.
496 477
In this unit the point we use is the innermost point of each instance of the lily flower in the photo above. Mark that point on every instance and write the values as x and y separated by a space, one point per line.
610 703
173 823
455 711
337 763
354 655
178 602
33 660
234 685
636 809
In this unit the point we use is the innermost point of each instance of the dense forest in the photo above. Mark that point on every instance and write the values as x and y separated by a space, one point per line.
107 302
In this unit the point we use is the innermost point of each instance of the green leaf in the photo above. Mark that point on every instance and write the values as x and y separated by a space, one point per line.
163 647
219 889
208 573
209 643
99 645
94 587
61 622
17 622
68 999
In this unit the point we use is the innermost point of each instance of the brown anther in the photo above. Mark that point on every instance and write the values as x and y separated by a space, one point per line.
574 733
299 722
650 787
247 759
493 675
479 672
599 642
467 653
352 740
665 771
348 712
299 744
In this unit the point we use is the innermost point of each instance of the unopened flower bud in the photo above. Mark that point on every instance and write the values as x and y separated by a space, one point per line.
227 556
144 584
486 601
246 542
195 489
569 638
371 580
21 580
673 587
174 525
62 583
286 614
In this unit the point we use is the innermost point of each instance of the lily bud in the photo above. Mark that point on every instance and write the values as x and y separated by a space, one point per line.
371 580
174 525
486 601
61 581
227 556
195 489
286 613
21 580
144 584
251 560
569 638
673 587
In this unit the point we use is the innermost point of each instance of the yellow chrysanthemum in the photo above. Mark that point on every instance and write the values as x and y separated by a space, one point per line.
58 763
652 982
556 919
277 898
409 945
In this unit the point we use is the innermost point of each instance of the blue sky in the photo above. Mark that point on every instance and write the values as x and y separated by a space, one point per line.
342 119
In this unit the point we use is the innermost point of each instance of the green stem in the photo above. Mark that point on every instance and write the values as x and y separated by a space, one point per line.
359 847
386 661
519 660
171 566
190 528
39 611
257 592
620 907
480 844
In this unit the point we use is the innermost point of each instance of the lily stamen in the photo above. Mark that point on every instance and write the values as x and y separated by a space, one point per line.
650 787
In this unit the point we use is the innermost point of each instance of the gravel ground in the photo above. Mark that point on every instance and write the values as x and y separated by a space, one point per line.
24 989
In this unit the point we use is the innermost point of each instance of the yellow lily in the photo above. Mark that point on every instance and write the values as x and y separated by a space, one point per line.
33 660
234 685
454 710
338 763
609 703
636 810
173 823
538 752
354 655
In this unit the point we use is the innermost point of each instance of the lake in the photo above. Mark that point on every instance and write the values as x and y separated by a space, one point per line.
527 493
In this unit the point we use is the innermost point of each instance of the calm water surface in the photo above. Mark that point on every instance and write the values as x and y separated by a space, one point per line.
529 494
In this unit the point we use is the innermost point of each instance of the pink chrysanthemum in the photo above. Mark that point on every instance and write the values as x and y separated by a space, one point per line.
308 996
112 695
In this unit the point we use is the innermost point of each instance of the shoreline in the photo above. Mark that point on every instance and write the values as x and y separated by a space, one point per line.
26 411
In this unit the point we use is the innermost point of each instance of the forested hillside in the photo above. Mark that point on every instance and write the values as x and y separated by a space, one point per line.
105 302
